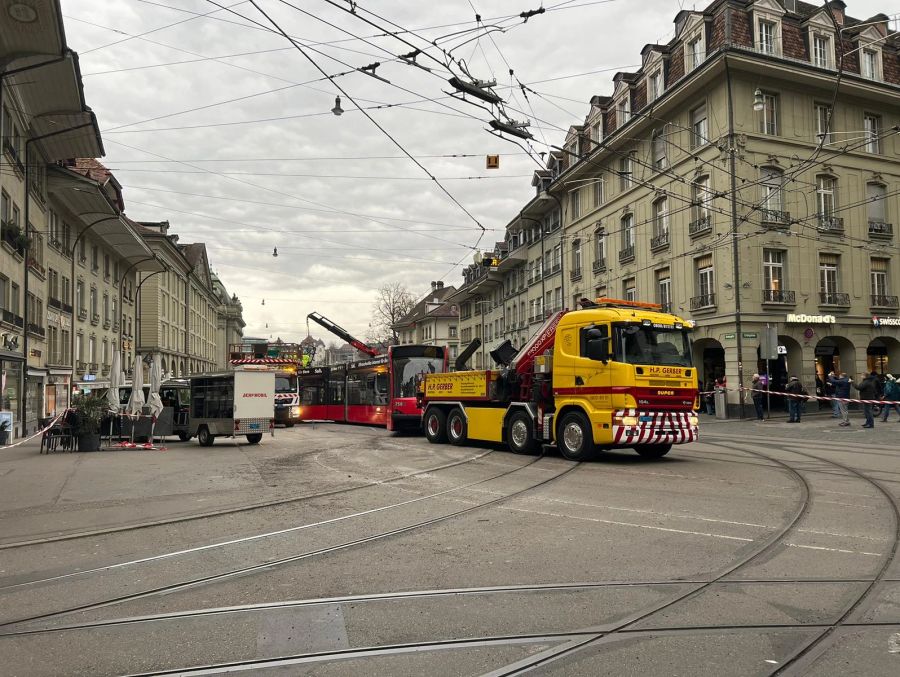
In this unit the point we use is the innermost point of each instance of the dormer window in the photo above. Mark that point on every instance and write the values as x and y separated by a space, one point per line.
597 133
694 53
623 111
654 86
870 64
766 32
821 50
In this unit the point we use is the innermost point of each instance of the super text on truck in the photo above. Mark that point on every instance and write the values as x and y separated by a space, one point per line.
613 374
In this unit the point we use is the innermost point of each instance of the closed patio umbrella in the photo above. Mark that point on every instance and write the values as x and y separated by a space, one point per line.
115 382
154 402
136 401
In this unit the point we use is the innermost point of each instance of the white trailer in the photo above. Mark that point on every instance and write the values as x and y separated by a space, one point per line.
232 404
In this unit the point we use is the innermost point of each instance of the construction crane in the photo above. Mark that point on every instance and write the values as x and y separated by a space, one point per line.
342 333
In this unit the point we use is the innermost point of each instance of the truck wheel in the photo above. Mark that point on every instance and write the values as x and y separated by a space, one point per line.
574 437
254 438
184 437
457 428
520 434
204 438
653 450
436 426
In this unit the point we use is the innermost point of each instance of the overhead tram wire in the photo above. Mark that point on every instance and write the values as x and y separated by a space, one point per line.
375 122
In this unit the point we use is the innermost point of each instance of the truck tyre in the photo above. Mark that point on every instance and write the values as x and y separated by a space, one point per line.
457 428
575 438
435 426
204 438
255 438
520 434
653 450
184 437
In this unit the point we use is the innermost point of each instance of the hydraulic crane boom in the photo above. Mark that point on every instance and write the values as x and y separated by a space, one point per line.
342 333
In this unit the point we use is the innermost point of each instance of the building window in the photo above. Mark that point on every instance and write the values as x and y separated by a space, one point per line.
94 302
659 150
664 290
575 204
821 51
828 276
870 64
623 111
576 257
823 123
654 86
773 270
628 234
700 198
876 194
599 191
625 173
694 52
79 296
768 121
630 289
706 286
766 36
772 183
600 247
880 283
699 126
825 201
661 217
872 129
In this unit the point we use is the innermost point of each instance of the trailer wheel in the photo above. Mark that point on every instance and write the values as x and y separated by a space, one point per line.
204 438
184 437
520 434
435 426
574 437
457 428
255 438
653 450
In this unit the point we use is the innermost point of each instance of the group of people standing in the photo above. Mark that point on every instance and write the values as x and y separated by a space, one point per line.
870 387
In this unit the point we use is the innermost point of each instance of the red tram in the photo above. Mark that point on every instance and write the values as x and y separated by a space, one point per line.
378 391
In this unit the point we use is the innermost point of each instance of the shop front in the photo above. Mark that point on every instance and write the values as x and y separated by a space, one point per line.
10 388
56 398
35 381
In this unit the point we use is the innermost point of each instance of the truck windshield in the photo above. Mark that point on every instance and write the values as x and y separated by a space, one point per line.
639 344
408 371
285 384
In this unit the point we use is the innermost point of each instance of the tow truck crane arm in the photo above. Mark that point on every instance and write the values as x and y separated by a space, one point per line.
342 333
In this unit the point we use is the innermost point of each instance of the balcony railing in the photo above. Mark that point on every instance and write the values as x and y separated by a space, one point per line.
80 365
884 301
95 318
36 329
626 254
834 298
704 301
36 267
599 266
94 367
881 229
660 241
700 226
831 224
575 275
775 217
82 313
106 324
778 296
8 316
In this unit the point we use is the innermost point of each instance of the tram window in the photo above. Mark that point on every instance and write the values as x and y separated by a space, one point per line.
354 394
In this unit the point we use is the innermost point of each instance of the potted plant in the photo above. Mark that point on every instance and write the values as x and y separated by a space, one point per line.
4 432
89 411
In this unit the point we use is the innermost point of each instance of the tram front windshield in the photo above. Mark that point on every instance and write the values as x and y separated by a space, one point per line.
654 345
409 370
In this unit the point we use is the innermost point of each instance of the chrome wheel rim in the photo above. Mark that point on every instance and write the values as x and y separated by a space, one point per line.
456 427
573 437
518 431
432 425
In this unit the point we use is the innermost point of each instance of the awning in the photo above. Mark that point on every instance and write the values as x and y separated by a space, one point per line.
85 197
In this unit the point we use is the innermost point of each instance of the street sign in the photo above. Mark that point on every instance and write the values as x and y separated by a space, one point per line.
729 337
749 334
768 345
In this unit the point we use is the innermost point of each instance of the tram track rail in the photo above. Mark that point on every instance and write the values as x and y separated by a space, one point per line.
271 564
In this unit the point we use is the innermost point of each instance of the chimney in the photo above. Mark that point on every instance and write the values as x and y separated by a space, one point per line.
433 285
837 8
440 284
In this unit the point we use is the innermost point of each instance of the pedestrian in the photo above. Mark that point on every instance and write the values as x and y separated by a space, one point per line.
868 390
829 392
757 391
892 395
841 385
797 394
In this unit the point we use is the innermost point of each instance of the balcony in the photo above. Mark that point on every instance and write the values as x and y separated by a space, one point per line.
82 313
36 267
834 298
775 217
14 238
105 370
884 301
704 302
80 366
626 254
95 318
831 225
115 326
880 229
659 242
575 275
94 367
106 324
599 266
36 330
778 296
700 226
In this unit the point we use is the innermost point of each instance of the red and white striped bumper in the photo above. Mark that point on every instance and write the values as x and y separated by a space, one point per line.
634 426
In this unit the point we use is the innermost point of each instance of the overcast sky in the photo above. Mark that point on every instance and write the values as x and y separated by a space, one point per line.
223 127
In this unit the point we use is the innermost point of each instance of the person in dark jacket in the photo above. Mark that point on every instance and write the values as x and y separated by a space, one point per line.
758 392
795 388
841 387
868 390
892 395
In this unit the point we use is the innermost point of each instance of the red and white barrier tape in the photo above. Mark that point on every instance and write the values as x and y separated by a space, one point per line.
39 432
823 398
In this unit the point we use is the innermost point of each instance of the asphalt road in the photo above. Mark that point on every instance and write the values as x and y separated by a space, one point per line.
764 549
